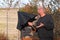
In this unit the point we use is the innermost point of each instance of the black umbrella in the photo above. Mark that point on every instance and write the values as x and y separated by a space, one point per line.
23 19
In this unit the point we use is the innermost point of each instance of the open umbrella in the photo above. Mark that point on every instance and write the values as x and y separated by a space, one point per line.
23 19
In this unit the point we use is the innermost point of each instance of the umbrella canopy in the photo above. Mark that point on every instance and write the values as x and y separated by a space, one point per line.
23 19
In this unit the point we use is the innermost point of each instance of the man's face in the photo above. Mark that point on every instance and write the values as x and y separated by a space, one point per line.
40 10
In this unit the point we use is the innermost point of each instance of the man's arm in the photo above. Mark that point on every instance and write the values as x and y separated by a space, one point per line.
41 25
31 24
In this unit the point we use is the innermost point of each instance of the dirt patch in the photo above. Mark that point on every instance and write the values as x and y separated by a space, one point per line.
3 37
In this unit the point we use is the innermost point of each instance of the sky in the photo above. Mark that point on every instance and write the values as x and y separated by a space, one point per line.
6 5
25 1
22 2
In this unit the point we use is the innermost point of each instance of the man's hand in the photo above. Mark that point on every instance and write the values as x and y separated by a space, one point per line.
41 25
30 23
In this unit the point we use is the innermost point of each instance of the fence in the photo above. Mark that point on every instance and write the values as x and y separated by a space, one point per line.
8 24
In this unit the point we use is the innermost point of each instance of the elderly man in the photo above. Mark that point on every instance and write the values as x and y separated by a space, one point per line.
44 25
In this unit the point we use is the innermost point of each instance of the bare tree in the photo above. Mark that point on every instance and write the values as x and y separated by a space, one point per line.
9 3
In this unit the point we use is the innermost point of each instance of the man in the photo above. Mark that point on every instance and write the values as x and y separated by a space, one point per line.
44 25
